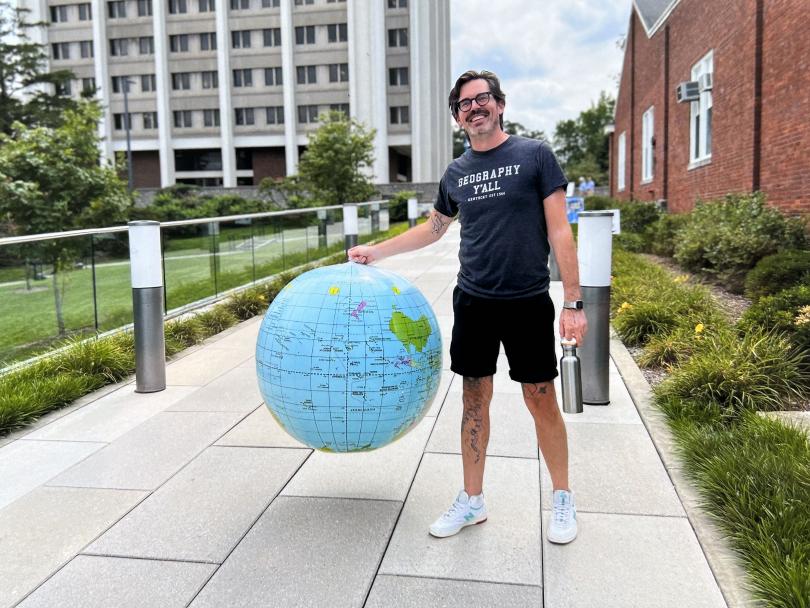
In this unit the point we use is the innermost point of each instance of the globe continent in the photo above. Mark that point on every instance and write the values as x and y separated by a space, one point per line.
349 357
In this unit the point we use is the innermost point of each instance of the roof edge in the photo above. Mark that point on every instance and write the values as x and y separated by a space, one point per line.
661 20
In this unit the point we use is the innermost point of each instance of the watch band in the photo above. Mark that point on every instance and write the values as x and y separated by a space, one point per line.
573 304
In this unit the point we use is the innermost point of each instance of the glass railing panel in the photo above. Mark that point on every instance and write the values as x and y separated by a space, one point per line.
110 267
189 263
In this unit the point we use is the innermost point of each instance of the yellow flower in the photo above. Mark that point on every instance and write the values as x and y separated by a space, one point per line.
681 278
624 306
699 328
803 317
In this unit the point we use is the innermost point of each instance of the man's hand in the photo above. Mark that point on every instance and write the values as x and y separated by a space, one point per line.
573 325
364 254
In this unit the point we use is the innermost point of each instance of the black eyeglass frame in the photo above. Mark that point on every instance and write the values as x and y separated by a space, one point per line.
486 95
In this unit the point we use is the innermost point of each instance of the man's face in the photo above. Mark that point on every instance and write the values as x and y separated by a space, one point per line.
479 120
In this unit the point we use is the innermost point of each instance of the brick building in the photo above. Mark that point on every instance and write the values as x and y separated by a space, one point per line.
738 124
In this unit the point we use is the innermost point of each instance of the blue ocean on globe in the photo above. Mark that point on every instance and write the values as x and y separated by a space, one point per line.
349 357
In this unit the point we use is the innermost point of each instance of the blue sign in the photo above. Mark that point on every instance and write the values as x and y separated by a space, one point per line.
573 205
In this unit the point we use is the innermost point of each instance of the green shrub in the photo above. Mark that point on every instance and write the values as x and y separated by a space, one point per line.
246 304
631 241
677 346
398 206
663 234
787 311
102 357
216 320
638 216
726 238
778 271
636 323
598 202
182 333
759 370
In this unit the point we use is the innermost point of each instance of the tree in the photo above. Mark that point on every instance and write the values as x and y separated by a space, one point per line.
26 87
51 180
515 128
581 144
333 170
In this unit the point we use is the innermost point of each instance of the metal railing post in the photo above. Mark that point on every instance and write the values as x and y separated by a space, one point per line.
375 218
350 227
147 306
595 250
322 229
413 212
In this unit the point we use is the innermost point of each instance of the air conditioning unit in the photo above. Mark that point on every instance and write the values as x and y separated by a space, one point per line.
688 91
705 82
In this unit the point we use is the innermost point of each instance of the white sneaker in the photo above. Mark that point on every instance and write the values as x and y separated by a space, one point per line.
562 525
465 511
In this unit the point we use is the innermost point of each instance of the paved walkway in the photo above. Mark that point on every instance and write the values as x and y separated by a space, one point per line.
193 496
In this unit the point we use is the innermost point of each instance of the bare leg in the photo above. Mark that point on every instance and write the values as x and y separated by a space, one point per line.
550 428
475 431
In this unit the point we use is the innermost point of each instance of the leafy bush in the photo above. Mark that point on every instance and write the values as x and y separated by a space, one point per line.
663 234
776 272
216 320
598 202
637 216
246 304
676 347
787 311
398 206
726 238
631 241
182 333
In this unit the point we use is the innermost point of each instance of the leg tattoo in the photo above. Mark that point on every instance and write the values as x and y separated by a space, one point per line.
472 420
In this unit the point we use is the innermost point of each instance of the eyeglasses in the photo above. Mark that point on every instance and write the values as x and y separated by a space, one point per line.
481 99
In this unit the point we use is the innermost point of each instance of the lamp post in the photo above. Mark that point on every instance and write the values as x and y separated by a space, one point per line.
126 82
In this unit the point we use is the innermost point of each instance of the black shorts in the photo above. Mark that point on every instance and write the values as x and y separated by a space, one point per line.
525 326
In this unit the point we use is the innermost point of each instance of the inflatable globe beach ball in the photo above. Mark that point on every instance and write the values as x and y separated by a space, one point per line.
348 357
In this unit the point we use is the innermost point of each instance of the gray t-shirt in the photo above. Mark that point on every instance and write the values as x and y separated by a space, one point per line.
499 195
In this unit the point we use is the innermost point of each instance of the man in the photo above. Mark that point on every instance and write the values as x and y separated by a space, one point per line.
510 194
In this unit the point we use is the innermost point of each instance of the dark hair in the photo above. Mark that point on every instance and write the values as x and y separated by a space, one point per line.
492 81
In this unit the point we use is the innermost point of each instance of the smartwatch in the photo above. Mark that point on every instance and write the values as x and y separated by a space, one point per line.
573 304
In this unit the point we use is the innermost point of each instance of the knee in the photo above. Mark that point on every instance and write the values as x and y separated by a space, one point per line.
540 398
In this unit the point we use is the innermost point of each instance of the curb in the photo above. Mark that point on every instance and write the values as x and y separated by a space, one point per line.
723 562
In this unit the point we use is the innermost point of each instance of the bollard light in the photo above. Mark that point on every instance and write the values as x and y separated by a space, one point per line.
147 306
413 212
595 250
350 225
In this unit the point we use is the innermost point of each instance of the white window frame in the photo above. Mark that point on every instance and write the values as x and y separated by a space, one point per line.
647 137
621 153
700 129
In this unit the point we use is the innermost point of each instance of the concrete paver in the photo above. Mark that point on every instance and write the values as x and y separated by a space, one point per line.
196 467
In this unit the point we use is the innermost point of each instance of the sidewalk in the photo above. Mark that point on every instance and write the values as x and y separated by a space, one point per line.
193 496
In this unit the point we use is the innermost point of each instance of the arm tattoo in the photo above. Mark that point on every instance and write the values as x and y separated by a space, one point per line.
438 223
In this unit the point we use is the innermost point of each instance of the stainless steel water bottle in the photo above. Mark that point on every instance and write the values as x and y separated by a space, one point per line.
571 378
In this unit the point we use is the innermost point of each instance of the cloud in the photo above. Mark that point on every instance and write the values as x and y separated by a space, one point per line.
553 56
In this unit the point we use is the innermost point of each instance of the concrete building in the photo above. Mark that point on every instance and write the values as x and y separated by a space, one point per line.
713 98
224 92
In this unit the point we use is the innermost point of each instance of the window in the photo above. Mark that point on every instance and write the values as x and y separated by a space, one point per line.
210 80
150 120
339 72
208 41
181 81
211 118
240 4
86 49
333 1
398 77
148 83
117 83
400 115
119 47
182 119
337 32
122 121
340 107
59 14
620 164
306 74
272 77
117 9
275 115
178 43
272 36
303 2
700 122
85 12
207 6
305 34
146 45
243 78
240 39
647 145
270 3
144 8
63 88
60 50
307 114
397 3
177 7
244 116
88 85
398 37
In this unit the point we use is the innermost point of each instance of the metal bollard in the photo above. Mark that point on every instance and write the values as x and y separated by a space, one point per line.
595 250
147 306
322 228
413 212
350 225
553 268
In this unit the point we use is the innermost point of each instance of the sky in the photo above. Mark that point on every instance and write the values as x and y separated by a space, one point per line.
553 57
